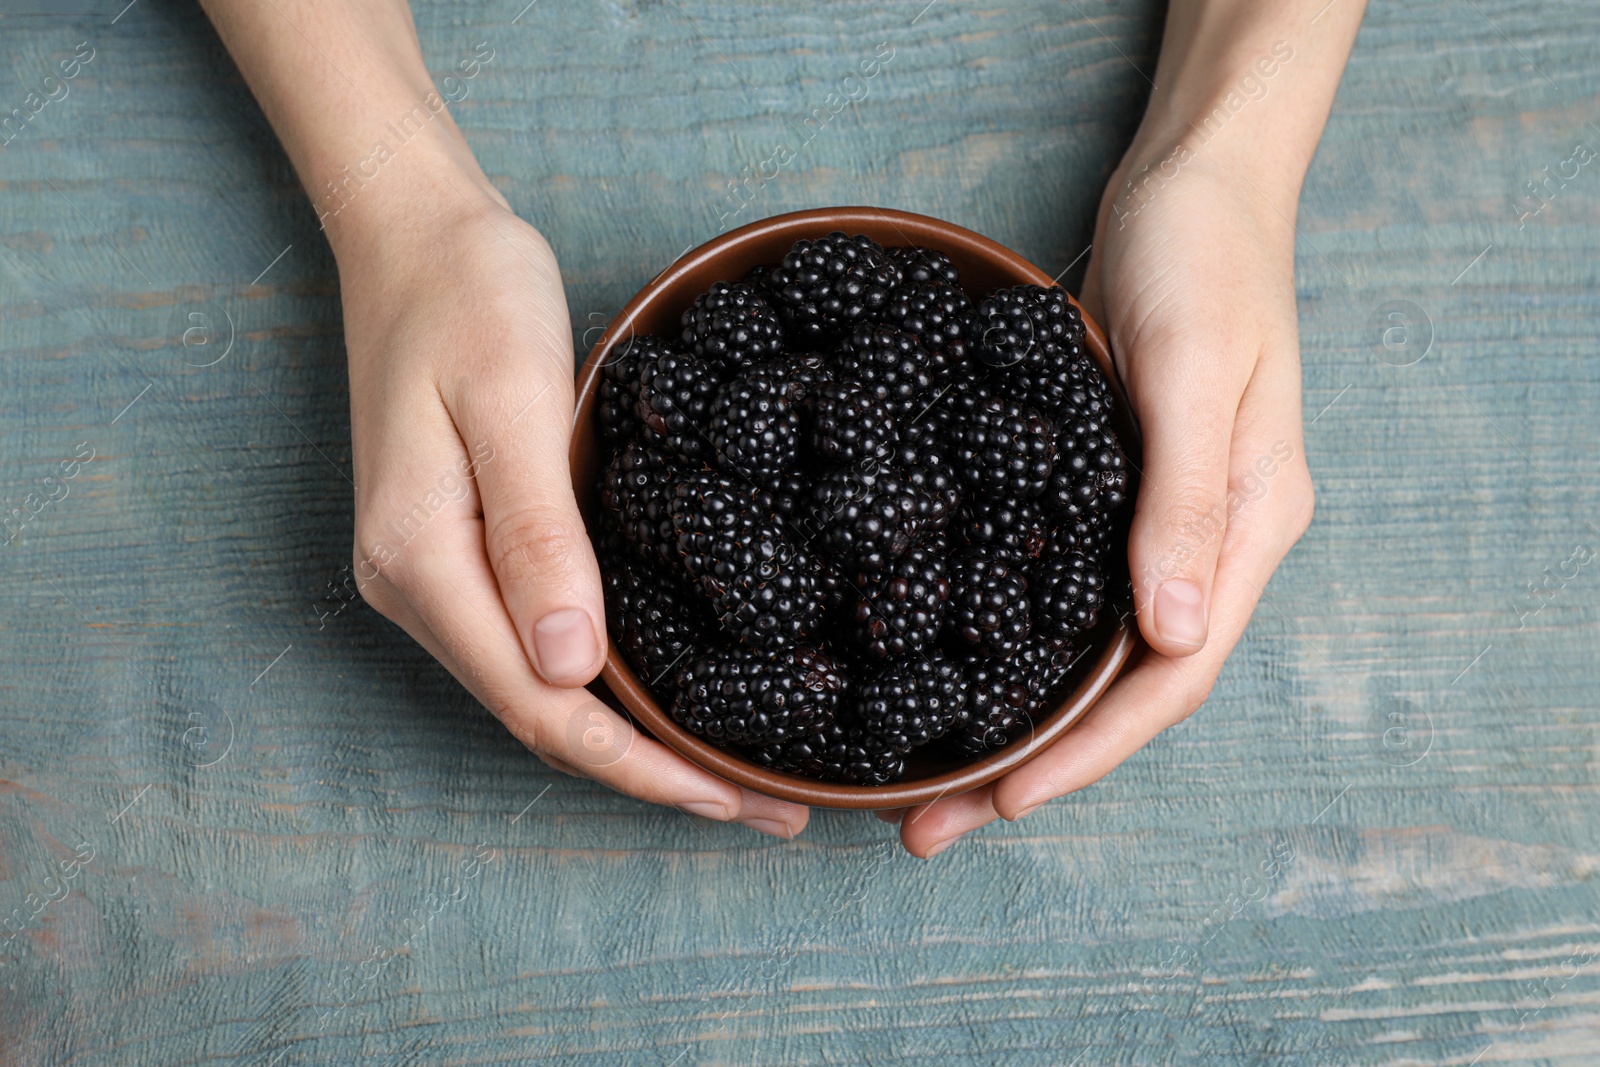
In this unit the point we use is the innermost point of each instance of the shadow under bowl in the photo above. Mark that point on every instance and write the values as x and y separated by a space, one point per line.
656 310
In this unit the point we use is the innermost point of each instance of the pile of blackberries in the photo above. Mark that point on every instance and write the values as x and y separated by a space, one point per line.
849 511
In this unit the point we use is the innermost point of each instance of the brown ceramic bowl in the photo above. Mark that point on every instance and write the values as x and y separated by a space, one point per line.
656 310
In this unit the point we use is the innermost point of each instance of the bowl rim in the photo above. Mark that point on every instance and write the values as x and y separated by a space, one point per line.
618 677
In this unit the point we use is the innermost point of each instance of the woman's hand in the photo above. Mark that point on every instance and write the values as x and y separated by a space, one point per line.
467 534
1194 284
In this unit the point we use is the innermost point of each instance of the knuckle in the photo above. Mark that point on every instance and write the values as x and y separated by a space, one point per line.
1301 502
537 542
1192 696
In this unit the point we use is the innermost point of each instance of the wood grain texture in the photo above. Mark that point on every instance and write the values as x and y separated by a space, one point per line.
1433 900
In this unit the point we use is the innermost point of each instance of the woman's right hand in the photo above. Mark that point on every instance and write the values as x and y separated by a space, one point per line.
467 534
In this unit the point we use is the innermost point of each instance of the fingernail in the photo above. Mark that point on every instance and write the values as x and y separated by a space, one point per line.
563 644
891 815
941 846
1181 613
769 826
1025 812
711 809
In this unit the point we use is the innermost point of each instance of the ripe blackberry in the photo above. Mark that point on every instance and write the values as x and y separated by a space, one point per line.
1067 594
890 363
1089 479
914 702
1003 696
925 265
898 611
1061 381
1004 449
863 516
654 622
1014 326
1006 528
825 285
849 424
762 588
837 753
752 697
675 394
936 312
921 460
754 427
637 489
731 326
619 388
988 607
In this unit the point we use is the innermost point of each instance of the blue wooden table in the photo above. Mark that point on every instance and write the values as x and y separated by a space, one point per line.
244 821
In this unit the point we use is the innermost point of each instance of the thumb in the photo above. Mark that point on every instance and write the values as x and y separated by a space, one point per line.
1187 417
534 534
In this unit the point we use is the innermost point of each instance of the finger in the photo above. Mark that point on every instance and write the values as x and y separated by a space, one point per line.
929 829
1161 690
444 579
518 433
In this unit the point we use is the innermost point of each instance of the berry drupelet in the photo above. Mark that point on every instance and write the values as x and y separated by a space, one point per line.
988 607
748 696
731 326
825 285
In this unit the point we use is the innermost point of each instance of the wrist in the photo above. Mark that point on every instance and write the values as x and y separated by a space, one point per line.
411 184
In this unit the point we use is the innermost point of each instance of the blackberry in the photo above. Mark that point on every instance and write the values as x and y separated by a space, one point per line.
849 424
920 458
731 326
925 265
1067 593
825 285
761 587
864 516
654 624
1004 449
1005 695
1006 528
675 394
754 427
934 311
1090 475
914 702
1061 381
751 697
890 363
898 611
619 388
1013 326
835 753
988 607
637 489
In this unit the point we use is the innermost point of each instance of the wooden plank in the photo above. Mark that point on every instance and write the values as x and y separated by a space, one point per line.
258 892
